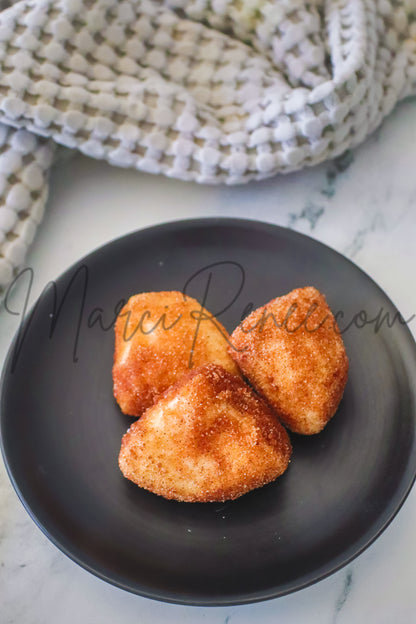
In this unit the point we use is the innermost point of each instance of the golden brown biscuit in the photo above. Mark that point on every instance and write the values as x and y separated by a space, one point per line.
209 438
159 336
292 353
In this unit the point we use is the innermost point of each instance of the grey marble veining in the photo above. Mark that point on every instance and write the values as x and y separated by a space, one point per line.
345 592
363 205
311 213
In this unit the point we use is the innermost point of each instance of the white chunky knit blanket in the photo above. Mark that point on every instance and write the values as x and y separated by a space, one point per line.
205 90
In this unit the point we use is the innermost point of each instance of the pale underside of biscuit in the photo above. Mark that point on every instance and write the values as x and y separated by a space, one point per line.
292 353
209 438
160 336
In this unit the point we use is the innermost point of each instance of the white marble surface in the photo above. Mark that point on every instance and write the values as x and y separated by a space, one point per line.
367 212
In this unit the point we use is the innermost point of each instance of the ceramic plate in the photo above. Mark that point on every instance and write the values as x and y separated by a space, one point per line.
61 428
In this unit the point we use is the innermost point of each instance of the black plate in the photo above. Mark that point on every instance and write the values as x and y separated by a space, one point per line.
61 428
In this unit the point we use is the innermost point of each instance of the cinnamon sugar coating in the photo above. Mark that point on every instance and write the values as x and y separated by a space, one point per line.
160 336
292 353
208 438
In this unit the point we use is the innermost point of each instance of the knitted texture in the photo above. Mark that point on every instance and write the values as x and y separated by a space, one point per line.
205 90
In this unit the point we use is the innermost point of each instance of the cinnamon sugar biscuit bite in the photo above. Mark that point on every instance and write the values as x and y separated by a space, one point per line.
160 336
208 438
292 353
